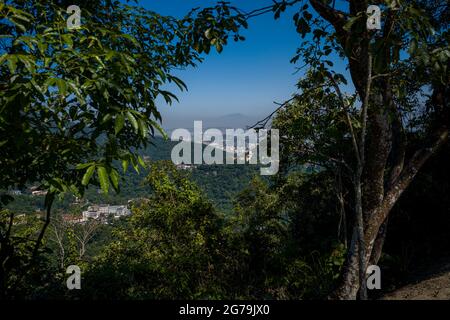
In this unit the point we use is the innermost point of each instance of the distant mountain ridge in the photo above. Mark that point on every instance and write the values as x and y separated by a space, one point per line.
228 121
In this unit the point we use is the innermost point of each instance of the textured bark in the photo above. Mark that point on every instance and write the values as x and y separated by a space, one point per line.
379 243
403 181
360 243
374 238
59 230
378 149
349 284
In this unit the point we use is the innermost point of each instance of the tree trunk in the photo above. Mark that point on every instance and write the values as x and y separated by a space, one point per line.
384 179
376 225
379 243
349 286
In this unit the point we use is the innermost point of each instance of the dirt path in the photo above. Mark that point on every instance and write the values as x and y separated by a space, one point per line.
431 285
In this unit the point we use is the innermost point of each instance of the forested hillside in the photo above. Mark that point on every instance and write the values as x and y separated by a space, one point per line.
220 182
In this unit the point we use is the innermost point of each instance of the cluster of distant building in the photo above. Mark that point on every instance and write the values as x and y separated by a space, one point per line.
239 153
102 212
33 190
99 213
184 166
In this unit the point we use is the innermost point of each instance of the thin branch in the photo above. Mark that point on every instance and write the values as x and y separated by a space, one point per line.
409 172
347 117
44 228
262 123
365 107
336 17
267 9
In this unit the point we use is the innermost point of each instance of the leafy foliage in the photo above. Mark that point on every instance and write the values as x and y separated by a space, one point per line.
170 247
75 102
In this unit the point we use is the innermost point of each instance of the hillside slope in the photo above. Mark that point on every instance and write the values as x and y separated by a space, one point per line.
433 284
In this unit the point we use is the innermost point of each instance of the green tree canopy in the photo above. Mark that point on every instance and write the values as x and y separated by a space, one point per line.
75 102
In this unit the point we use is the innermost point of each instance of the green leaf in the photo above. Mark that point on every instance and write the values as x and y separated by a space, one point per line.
19 25
180 84
103 178
120 121
160 129
413 47
143 128
134 163
219 47
82 166
114 176
208 34
87 176
62 86
133 121
67 38
107 118
124 165
109 55
168 96
12 63
141 161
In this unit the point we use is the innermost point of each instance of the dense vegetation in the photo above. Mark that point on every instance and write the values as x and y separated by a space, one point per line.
211 178
280 241
177 245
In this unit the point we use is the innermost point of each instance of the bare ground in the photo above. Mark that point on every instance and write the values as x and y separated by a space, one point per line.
432 284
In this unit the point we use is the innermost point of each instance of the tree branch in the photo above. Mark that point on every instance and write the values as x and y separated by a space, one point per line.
49 202
347 117
409 172
336 17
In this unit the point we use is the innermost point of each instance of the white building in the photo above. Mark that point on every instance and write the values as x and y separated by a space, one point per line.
183 166
104 211
38 193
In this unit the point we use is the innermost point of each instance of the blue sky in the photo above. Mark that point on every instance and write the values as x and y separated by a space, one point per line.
246 77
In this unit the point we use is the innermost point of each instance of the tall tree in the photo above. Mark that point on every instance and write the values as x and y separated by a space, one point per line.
401 80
